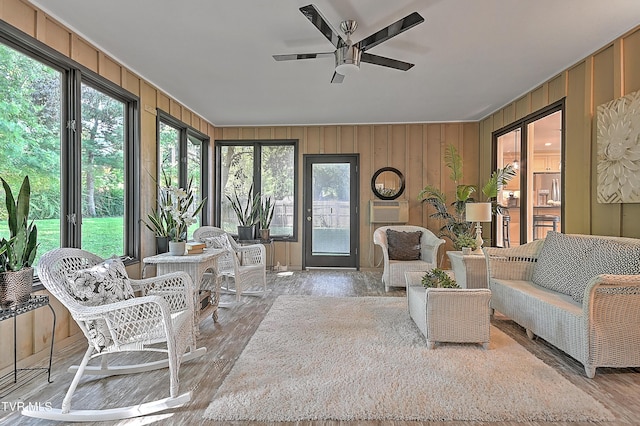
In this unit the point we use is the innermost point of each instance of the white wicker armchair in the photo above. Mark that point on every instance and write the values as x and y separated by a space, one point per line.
162 314
245 264
393 272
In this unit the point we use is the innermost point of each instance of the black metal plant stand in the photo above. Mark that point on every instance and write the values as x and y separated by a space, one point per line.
9 382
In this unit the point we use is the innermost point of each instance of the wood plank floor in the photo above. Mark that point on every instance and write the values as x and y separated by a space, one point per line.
617 389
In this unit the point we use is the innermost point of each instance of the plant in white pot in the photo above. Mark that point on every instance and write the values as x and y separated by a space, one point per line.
247 214
181 214
17 253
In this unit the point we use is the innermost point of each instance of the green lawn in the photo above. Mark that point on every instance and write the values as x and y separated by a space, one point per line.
102 236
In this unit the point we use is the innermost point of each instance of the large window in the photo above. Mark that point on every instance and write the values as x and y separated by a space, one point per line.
73 133
30 139
103 172
267 168
182 158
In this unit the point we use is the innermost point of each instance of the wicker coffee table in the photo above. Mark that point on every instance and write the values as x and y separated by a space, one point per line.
449 315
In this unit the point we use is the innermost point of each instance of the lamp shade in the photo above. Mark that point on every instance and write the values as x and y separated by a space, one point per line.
478 212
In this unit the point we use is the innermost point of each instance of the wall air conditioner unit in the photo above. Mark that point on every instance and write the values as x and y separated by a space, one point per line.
388 211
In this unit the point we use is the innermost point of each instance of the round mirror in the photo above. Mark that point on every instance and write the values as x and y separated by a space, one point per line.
387 183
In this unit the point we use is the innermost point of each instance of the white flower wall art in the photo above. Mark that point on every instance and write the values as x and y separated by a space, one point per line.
619 150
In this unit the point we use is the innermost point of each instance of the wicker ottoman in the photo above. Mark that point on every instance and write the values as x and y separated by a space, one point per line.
449 315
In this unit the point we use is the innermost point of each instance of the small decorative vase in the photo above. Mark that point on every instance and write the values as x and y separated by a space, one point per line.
162 244
177 248
15 286
466 251
265 234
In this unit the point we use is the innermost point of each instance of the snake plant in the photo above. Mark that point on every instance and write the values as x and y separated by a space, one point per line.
19 251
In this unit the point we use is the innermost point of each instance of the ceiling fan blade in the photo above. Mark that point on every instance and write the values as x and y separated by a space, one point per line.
296 56
390 31
337 78
385 62
316 18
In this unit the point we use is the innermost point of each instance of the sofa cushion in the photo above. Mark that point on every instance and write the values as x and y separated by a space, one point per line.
562 262
403 245
608 257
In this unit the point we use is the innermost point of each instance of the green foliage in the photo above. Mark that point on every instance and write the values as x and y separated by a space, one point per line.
174 213
159 220
30 137
266 213
437 278
465 240
19 251
248 213
455 226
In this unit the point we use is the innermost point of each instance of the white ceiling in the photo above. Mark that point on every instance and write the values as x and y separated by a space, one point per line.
471 56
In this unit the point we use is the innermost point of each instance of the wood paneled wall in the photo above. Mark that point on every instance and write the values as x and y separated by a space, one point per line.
35 328
416 150
607 74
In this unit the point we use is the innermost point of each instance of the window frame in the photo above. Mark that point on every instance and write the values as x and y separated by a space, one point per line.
73 76
257 181
185 132
526 162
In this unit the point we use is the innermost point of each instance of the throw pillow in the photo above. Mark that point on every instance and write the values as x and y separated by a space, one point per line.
106 282
403 245
219 242
561 259
608 257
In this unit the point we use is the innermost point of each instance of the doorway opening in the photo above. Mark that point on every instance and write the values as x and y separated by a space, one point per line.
533 198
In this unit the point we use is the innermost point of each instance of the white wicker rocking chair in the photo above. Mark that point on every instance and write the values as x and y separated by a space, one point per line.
162 314
246 264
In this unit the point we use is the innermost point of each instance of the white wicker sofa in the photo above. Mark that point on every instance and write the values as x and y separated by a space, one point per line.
581 293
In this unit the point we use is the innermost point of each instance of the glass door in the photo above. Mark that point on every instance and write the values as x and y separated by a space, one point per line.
331 211
533 198
544 138
509 149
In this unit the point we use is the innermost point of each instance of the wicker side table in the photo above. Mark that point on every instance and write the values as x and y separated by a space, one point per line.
449 315
470 270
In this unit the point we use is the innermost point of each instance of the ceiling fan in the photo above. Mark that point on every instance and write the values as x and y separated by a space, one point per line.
348 54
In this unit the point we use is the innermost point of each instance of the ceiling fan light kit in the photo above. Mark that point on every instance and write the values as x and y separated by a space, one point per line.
348 55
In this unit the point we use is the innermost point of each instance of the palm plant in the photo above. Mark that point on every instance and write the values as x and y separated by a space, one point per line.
455 224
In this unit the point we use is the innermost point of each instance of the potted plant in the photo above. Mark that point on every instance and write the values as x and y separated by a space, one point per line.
438 278
247 214
266 215
174 215
159 220
18 253
455 225
465 241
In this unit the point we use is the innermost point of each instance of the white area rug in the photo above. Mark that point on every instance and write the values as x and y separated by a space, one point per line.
322 358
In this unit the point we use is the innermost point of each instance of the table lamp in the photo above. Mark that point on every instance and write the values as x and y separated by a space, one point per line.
478 212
